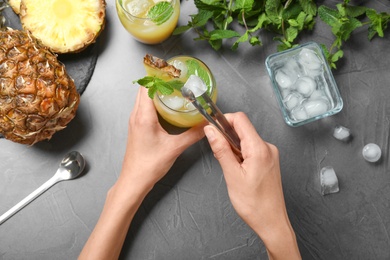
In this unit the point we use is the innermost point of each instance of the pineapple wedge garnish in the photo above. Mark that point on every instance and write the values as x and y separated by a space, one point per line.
64 25
159 68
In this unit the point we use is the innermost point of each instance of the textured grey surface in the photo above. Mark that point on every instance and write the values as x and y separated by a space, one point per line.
188 214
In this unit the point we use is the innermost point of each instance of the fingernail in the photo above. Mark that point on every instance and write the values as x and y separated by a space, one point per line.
209 132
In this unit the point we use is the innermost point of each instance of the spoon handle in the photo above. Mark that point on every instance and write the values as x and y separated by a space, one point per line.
44 187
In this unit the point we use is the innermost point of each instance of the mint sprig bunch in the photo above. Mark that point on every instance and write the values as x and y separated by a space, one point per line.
344 20
217 21
216 18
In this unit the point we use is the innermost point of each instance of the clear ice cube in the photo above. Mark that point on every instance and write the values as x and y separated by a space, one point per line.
317 94
313 73
309 59
283 79
196 85
293 69
178 64
321 82
137 8
341 133
284 92
173 102
189 106
305 86
372 152
328 180
299 113
316 107
292 100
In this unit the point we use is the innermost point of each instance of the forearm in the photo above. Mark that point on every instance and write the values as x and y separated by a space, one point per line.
106 240
279 239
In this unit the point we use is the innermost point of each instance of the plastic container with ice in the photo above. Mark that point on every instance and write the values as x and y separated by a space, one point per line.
303 72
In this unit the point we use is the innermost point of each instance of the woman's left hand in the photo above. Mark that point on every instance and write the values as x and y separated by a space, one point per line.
151 151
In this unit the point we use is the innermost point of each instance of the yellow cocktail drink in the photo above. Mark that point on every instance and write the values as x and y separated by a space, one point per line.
174 108
147 22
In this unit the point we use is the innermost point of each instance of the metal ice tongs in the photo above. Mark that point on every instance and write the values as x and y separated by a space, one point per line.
215 117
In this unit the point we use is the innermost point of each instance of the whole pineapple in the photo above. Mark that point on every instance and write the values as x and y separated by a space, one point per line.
37 97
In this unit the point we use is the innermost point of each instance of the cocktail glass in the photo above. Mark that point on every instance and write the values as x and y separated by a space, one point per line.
174 108
133 16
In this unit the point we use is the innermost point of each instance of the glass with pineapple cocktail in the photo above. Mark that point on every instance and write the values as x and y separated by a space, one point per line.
149 21
173 107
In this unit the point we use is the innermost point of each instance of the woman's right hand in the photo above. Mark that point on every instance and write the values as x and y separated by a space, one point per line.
254 185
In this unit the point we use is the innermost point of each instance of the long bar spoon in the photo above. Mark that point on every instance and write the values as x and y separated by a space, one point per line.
70 167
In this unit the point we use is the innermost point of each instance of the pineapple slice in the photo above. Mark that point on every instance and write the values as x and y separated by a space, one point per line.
64 26
15 5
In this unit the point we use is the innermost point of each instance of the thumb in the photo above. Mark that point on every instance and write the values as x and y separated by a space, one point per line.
220 147
187 138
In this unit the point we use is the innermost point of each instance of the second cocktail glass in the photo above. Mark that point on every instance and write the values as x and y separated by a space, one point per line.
149 21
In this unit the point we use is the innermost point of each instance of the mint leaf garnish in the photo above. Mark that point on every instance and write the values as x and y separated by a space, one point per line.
154 84
176 84
160 13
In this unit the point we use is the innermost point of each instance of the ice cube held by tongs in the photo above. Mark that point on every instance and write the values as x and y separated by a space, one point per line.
194 92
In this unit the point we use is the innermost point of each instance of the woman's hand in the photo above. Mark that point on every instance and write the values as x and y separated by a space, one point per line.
151 151
255 187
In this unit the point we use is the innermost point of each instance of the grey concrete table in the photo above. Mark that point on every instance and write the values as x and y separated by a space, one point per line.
188 215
